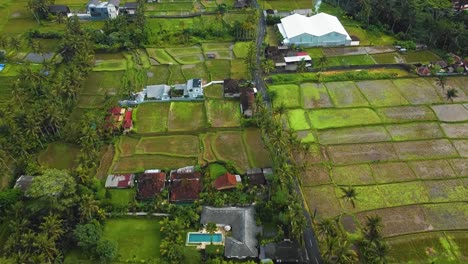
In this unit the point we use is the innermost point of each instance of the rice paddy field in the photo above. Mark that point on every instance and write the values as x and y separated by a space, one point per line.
403 147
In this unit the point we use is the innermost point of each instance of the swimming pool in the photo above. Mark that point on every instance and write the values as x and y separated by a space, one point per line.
197 238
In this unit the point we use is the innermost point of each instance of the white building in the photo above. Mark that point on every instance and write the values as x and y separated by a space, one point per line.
318 30
103 10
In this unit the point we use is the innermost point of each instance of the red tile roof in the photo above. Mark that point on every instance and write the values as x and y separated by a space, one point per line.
115 110
150 184
185 187
224 182
302 53
128 120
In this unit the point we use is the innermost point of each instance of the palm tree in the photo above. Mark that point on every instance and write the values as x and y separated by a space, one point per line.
349 195
301 66
52 226
88 207
15 43
323 61
377 253
280 109
211 228
441 81
268 66
451 93
326 228
373 228
344 254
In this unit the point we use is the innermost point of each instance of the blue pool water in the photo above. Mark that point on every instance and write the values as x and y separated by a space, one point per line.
199 237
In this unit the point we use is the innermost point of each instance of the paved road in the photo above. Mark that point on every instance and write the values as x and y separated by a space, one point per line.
311 245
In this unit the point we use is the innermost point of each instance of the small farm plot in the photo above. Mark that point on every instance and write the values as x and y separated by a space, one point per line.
415 131
259 156
447 216
5 89
110 65
314 96
187 55
228 146
346 94
219 69
334 118
192 71
315 175
424 56
425 149
298 119
287 95
323 199
157 75
137 239
387 58
218 50
90 101
353 135
239 70
186 116
140 163
161 56
381 93
404 114
127 146
214 91
455 130
417 91
241 49
352 175
432 169
446 190
451 112
223 113
392 172
180 145
350 60
208 153
100 83
361 153
370 198
151 117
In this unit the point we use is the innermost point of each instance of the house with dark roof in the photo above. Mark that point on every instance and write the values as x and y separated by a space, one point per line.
247 100
185 186
243 242
286 251
59 10
227 181
239 4
121 181
255 176
127 122
24 182
150 184
130 8
231 88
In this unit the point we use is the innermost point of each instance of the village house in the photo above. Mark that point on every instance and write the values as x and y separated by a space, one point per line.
130 8
127 122
239 4
255 177
242 243
185 185
286 251
231 88
121 181
314 31
103 10
247 100
114 118
59 10
150 184
158 92
227 181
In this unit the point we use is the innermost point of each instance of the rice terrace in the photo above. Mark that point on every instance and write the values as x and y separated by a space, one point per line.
233 131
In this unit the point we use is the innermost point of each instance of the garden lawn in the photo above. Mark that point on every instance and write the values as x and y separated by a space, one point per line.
216 170
333 118
161 56
151 117
424 56
180 145
298 119
241 49
287 94
59 156
219 69
138 239
223 113
121 197
228 146
346 94
186 116
239 70
381 93
110 65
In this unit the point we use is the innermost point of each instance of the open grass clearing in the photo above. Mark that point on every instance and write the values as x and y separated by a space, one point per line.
151 117
425 149
432 169
257 153
60 156
193 71
218 69
207 140
157 75
239 70
298 119
415 131
361 153
161 56
451 112
180 145
140 163
287 94
352 175
228 146
387 58
110 65
186 116
241 49
323 199
223 113
392 172
404 114
335 118
90 101
315 175
353 135
367 37
176 52
424 56
381 93
417 91
176 75
455 130
100 83
346 94
138 239
214 91
314 95
215 170
121 197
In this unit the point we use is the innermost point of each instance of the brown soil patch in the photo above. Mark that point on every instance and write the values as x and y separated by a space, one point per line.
348 223
392 172
106 162
462 147
427 149
457 130
353 175
447 216
460 166
415 131
432 169
353 135
451 113
322 199
315 175
315 155
362 153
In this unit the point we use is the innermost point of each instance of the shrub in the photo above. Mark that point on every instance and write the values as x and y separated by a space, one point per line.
214 250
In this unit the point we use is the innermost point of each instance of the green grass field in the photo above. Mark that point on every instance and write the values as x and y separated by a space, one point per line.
110 65
138 239
186 116
59 156
424 56
350 60
176 75
287 94
121 197
241 49
239 70
178 145
223 113
346 94
298 119
140 163
334 118
219 69
381 93
161 56
228 146
151 117
387 58
195 71
100 83
214 91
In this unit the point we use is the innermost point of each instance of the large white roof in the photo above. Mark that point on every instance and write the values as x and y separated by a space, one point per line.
317 25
